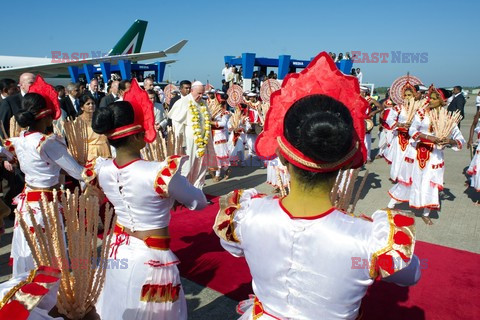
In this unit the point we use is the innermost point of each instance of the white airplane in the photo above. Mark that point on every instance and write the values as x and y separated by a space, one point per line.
127 48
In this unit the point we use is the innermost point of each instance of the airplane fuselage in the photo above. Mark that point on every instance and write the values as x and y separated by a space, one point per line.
7 62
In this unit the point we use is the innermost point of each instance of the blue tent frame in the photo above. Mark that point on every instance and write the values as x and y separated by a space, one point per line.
125 67
284 63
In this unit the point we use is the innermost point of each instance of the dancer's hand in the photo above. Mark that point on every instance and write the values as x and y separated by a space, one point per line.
434 140
446 141
469 143
8 166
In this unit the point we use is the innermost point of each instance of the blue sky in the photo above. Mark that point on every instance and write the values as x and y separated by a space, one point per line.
447 31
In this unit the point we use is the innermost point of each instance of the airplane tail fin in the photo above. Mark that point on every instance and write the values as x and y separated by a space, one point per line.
132 40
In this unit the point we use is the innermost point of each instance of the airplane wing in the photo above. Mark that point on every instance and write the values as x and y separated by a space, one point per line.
176 47
55 68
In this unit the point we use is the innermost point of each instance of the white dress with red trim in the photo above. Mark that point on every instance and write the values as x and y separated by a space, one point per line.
386 135
427 167
220 138
474 167
30 295
367 141
253 119
276 170
145 284
314 268
41 158
237 141
401 141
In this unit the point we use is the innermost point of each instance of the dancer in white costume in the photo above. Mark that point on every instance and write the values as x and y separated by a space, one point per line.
31 295
143 193
311 249
237 137
41 157
220 137
370 114
277 174
474 167
254 120
386 135
426 166
401 142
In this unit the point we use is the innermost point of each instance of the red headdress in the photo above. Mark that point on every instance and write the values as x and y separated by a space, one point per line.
320 77
439 91
221 97
408 86
50 96
144 120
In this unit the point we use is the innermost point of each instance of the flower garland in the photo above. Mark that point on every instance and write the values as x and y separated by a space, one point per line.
200 142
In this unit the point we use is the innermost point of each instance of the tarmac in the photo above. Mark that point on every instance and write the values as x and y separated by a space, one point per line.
456 225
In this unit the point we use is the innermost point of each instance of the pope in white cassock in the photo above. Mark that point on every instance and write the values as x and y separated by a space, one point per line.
191 119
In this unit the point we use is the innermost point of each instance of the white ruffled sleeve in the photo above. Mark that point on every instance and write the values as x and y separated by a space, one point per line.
170 183
392 242
53 147
458 137
233 211
414 130
391 118
91 169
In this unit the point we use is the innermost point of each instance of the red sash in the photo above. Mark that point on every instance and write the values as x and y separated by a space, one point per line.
154 242
36 195
423 152
403 138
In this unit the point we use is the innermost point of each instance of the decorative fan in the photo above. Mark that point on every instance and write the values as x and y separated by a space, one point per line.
235 95
208 87
397 85
268 87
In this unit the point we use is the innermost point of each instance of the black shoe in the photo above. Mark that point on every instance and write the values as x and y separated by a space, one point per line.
209 201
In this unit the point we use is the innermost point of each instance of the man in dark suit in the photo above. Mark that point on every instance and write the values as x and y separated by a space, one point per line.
112 96
70 103
12 104
458 102
94 93
185 87
8 87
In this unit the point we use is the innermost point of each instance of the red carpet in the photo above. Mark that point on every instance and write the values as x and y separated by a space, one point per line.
449 288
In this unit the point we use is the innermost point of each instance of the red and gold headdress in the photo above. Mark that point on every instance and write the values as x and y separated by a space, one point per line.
51 98
320 77
432 89
221 97
144 119
408 86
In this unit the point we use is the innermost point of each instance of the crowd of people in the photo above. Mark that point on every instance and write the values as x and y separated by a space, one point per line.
304 135
233 75
340 56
